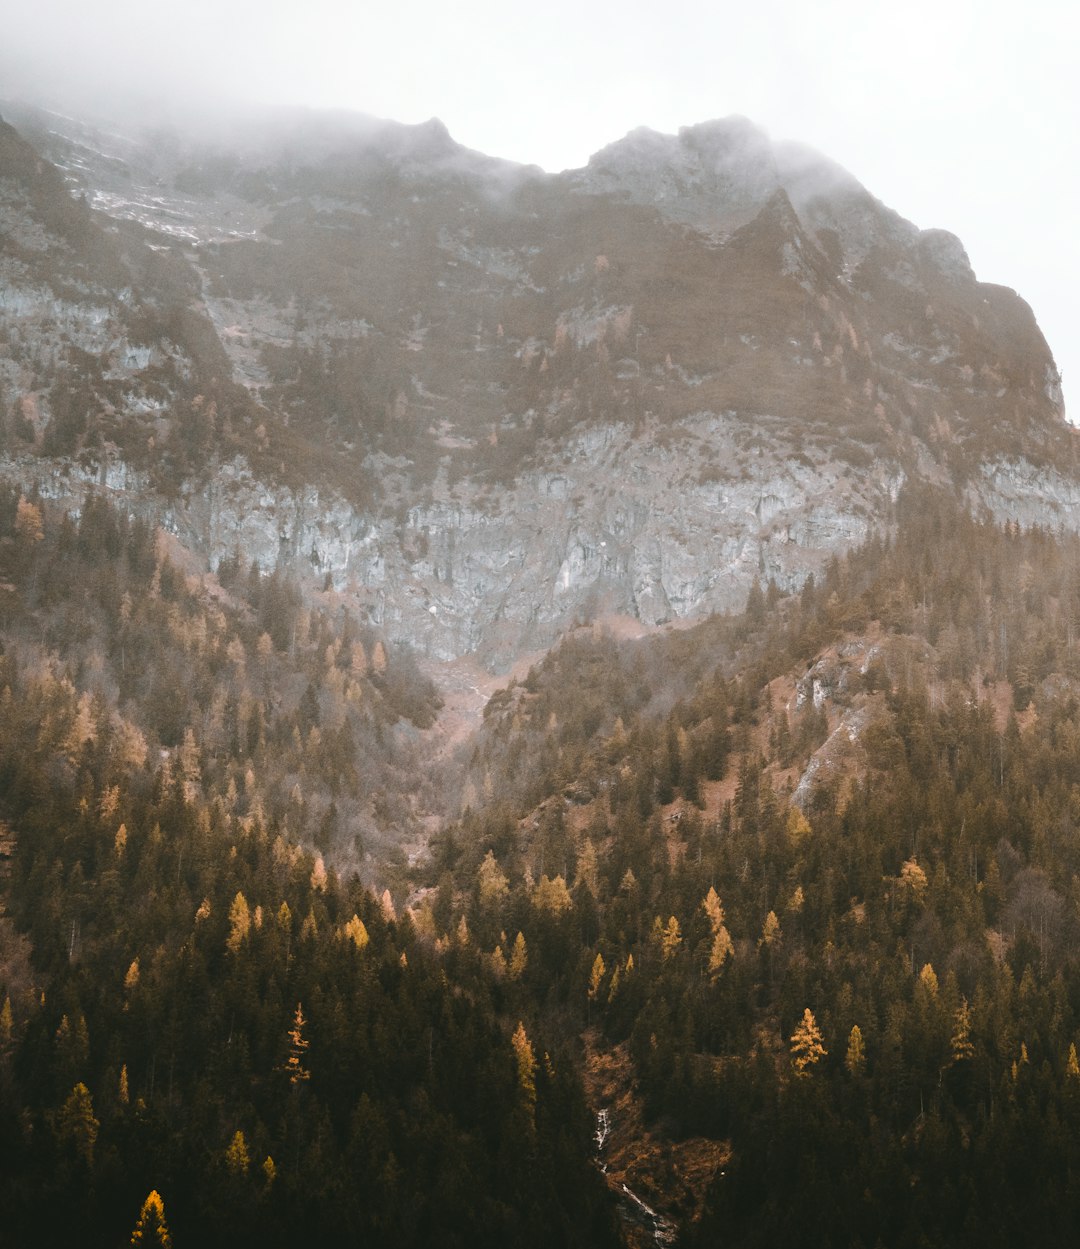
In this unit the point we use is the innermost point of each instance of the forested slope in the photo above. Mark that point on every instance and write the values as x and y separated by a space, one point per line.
871 990
192 1003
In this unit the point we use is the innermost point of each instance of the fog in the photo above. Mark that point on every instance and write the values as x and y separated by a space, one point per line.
960 115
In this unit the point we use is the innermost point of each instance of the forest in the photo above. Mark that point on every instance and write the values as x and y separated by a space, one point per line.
811 868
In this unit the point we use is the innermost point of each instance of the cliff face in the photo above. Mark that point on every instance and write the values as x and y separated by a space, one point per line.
482 402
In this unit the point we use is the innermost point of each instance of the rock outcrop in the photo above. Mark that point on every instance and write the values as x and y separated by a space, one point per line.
482 402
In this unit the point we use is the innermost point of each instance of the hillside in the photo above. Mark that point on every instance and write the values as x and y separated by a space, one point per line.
483 402
534 710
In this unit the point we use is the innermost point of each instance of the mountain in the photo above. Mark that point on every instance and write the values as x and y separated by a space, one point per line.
482 402
763 928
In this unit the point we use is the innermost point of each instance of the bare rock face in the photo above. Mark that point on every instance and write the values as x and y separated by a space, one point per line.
481 402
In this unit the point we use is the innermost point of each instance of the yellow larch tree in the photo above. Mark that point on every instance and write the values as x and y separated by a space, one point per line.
294 1064
526 1066
151 1230
960 1043
671 938
493 885
356 932
855 1059
519 957
237 1158
807 1044
596 976
239 923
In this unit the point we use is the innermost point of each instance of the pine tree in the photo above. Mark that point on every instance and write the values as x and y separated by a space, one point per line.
76 1125
807 1045
587 870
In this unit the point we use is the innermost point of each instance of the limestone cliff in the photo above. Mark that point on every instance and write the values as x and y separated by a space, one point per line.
483 402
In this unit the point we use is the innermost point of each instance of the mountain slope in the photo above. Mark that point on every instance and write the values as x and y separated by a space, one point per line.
484 402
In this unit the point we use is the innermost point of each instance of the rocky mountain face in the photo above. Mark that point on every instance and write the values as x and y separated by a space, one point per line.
481 402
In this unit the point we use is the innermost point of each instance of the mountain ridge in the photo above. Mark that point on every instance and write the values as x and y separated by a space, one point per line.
401 349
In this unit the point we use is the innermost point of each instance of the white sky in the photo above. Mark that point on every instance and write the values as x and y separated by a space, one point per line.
961 114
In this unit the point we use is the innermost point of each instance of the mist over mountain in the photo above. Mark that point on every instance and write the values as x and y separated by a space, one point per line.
534 709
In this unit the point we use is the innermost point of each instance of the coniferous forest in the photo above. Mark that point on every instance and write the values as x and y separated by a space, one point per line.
809 870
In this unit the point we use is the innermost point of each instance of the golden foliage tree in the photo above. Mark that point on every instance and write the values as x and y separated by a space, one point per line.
596 976
552 896
519 957
722 947
239 923
151 1230
855 1059
807 1044
493 884
771 934
356 932
237 1158
526 1065
294 1064
28 523
671 938
962 1048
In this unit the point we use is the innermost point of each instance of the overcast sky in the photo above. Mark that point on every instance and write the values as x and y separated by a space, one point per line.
959 114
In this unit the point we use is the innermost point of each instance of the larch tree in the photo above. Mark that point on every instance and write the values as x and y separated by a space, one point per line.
671 938
526 1066
596 976
298 1044
356 932
807 1044
855 1059
722 947
519 957
29 527
771 933
237 1158
962 1048
239 923
386 905
492 883
151 1230
552 896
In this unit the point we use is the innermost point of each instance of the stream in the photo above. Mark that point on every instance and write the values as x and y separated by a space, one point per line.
632 1209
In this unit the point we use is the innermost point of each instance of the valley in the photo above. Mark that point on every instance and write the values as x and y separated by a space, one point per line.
534 709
